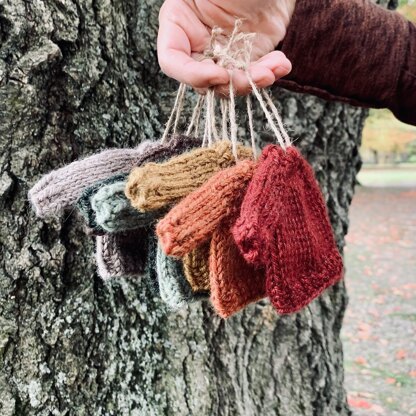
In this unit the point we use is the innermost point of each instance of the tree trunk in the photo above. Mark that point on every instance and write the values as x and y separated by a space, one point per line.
79 76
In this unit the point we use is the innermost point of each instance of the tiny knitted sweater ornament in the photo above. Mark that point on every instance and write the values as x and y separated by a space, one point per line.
193 220
61 188
104 204
154 186
208 212
284 228
175 290
122 254
114 213
196 269
106 209
162 151
234 283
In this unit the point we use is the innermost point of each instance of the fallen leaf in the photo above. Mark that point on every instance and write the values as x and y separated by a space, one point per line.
361 361
401 354
409 286
362 326
390 380
359 403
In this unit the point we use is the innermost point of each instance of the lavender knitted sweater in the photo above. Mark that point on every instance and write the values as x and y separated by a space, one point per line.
61 188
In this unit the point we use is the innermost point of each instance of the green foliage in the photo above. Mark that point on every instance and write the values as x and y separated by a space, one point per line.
408 9
384 133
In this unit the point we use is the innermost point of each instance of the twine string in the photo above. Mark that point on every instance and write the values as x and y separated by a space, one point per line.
196 114
175 113
213 116
251 126
198 119
207 123
248 43
224 116
234 33
278 118
266 111
233 121
179 109
231 53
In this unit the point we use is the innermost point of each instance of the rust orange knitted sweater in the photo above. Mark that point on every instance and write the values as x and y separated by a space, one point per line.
234 283
193 220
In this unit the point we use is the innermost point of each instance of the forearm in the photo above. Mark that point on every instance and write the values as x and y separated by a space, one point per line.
353 51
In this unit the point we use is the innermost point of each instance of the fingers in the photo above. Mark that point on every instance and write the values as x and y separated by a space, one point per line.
181 67
264 73
277 62
181 33
175 45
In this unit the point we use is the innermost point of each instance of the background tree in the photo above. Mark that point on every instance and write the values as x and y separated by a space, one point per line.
79 76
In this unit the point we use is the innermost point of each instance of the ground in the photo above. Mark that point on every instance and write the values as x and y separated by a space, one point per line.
379 331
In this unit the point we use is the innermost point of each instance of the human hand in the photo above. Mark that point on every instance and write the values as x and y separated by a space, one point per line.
185 30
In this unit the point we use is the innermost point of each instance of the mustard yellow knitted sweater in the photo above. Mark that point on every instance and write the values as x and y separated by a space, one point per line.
156 185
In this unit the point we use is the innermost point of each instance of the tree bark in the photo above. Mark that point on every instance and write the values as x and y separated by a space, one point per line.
79 76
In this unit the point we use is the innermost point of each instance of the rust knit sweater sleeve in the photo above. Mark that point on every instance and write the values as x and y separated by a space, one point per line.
353 51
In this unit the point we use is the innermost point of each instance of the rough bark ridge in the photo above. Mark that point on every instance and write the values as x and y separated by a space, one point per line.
77 76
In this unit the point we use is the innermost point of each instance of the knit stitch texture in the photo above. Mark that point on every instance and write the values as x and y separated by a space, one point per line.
284 228
193 220
154 186
234 283
84 201
104 204
196 269
107 210
175 290
114 213
122 254
61 188
175 145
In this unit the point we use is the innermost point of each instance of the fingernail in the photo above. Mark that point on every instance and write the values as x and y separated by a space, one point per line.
283 69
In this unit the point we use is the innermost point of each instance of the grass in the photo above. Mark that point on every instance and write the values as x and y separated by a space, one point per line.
402 379
387 177
407 316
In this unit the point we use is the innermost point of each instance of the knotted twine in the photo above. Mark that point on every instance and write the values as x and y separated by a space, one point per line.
230 52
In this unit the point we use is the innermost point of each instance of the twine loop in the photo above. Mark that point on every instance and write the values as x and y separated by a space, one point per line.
230 52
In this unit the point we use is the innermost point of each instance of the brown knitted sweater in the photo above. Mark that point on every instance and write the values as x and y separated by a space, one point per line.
353 51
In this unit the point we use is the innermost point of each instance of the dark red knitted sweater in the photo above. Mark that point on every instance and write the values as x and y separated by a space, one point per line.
284 228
